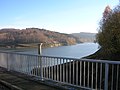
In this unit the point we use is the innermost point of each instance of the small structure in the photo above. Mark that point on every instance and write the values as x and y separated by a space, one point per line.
40 48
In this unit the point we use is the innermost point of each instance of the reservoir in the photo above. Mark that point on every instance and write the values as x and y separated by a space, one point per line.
73 51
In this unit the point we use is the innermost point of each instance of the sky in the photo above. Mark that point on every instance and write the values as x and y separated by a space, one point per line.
65 16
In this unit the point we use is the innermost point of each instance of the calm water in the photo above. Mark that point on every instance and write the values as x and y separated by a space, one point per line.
73 51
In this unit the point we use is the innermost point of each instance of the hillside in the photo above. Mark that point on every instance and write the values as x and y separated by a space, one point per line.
85 37
35 35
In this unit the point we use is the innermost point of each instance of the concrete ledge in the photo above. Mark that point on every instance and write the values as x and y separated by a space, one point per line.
11 80
9 86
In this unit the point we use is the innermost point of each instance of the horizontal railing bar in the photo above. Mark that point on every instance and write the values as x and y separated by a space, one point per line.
16 53
101 61
87 60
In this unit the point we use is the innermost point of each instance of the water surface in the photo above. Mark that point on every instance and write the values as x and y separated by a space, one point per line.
73 51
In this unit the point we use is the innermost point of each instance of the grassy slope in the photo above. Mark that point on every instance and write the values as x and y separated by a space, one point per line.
101 54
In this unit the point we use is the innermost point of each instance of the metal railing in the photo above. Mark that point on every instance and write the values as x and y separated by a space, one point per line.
85 73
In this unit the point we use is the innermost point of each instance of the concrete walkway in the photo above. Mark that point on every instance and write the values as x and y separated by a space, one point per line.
10 81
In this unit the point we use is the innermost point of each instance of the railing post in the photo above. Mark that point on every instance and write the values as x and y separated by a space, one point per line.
39 57
106 76
41 68
7 63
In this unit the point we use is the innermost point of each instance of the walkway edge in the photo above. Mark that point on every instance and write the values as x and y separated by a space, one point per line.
12 87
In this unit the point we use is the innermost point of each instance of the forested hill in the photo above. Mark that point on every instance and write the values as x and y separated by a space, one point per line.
35 35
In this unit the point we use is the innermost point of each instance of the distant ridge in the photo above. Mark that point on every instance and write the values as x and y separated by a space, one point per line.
85 36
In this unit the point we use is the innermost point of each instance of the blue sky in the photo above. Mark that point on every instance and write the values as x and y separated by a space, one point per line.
65 16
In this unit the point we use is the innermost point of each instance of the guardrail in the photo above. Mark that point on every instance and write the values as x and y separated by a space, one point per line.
85 73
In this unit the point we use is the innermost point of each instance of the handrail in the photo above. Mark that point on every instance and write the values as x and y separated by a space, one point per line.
87 60
87 73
